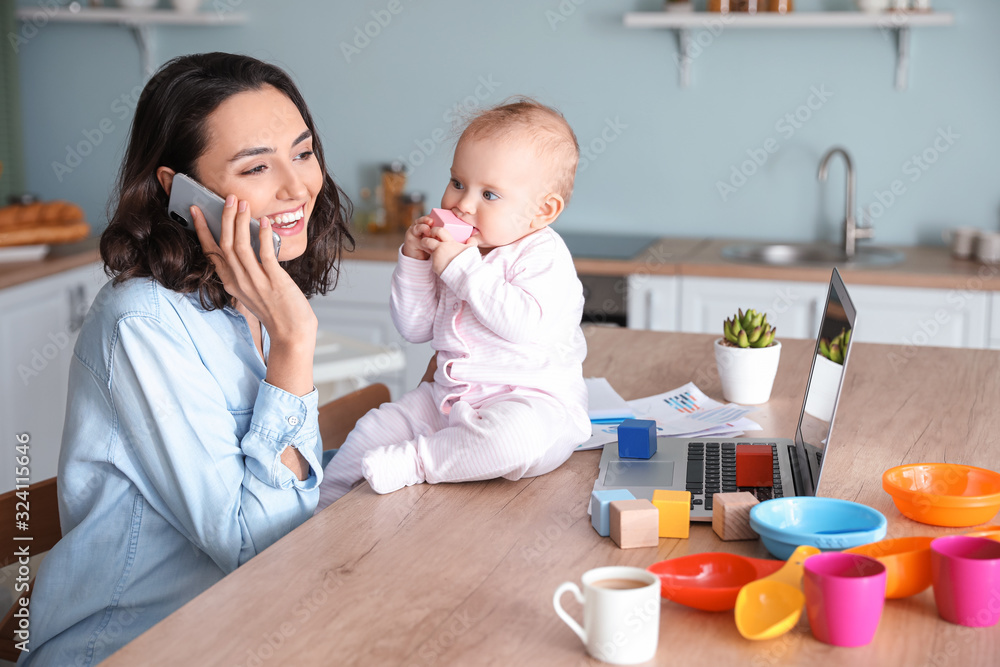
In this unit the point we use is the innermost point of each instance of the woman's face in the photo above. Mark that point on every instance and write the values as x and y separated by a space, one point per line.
260 150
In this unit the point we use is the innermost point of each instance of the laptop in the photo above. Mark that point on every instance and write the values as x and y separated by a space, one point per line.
705 466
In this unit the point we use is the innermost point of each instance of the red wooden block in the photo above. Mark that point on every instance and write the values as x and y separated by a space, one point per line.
754 466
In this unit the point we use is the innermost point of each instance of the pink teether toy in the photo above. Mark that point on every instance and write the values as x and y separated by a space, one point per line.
459 230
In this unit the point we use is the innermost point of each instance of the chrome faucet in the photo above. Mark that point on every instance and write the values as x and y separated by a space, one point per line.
852 231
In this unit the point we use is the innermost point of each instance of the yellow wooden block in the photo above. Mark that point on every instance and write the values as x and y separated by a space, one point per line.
675 512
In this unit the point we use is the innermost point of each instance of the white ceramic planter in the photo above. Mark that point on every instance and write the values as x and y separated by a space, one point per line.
747 374
823 388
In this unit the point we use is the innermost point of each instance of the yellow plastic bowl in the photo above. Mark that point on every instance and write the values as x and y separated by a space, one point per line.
944 494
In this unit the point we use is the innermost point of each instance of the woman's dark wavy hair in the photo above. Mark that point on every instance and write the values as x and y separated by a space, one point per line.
169 130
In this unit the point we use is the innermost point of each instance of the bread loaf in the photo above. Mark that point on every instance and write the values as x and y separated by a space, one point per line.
42 222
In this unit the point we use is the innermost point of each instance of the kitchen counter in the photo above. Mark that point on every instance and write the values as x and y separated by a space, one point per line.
61 258
923 266
928 267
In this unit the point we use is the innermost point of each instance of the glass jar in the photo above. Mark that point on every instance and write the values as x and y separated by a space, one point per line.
781 6
364 211
412 205
393 184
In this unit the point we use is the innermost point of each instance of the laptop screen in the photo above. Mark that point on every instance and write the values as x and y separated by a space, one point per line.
826 375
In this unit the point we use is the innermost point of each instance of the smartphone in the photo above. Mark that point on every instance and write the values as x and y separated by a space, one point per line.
187 192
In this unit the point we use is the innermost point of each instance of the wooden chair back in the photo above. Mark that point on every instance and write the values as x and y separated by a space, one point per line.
32 512
338 417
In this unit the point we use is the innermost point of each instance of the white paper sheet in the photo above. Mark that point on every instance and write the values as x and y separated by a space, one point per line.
685 412
604 402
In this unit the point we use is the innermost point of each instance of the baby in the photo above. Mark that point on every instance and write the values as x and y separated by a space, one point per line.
503 312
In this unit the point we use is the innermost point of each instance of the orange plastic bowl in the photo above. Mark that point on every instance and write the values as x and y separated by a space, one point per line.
944 494
907 563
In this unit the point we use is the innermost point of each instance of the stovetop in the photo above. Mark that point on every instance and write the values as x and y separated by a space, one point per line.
606 246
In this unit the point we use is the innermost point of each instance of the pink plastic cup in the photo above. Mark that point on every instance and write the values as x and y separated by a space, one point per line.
845 594
966 573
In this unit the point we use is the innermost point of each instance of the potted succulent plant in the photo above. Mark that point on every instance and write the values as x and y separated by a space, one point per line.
826 375
747 358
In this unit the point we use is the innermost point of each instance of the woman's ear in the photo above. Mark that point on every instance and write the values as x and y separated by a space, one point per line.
165 175
551 206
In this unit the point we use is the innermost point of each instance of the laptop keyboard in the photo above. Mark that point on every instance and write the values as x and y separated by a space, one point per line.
711 468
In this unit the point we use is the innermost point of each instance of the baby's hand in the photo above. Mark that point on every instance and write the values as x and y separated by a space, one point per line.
444 248
413 241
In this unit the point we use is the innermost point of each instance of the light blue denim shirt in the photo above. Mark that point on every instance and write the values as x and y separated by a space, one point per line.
170 474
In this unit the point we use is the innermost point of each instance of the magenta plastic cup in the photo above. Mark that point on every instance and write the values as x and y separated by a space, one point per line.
845 594
966 573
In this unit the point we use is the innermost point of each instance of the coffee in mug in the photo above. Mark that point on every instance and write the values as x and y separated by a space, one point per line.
621 613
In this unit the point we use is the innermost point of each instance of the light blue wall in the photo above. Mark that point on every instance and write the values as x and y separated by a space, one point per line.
672 146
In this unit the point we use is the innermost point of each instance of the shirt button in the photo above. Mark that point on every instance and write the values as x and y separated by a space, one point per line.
293 420
455 307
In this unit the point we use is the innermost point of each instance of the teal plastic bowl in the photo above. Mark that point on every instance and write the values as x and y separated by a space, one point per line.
826 523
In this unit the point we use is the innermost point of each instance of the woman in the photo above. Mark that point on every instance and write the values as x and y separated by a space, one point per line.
191 439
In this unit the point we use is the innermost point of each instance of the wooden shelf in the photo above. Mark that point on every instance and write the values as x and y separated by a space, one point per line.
889 20
139 21
683 23
128 17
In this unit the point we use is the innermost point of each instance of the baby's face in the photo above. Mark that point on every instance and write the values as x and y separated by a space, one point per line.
497 186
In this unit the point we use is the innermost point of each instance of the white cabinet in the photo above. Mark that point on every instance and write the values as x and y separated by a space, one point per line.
653 302
359 308
794 308
919 316
896 315
39 322
995 320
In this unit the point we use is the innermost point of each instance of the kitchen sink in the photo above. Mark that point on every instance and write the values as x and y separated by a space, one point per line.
809 254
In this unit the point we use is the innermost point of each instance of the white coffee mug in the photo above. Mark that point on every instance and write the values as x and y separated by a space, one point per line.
621 613
988 248
962 240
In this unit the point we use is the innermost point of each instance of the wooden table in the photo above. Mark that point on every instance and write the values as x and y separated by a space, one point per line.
463 574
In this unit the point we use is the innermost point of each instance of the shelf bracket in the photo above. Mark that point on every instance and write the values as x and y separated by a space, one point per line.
143 36
684 56
902 58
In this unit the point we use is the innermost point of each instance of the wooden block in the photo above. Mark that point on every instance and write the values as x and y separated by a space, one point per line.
634 523
599 512
754 465
731 515
674 508
637 438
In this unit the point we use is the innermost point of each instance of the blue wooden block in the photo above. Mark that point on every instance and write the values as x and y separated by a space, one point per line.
600 511
637 438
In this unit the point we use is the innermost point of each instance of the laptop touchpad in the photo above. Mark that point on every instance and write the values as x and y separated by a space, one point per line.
639 473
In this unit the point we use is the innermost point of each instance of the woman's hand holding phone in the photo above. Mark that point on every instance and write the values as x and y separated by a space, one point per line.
267 291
